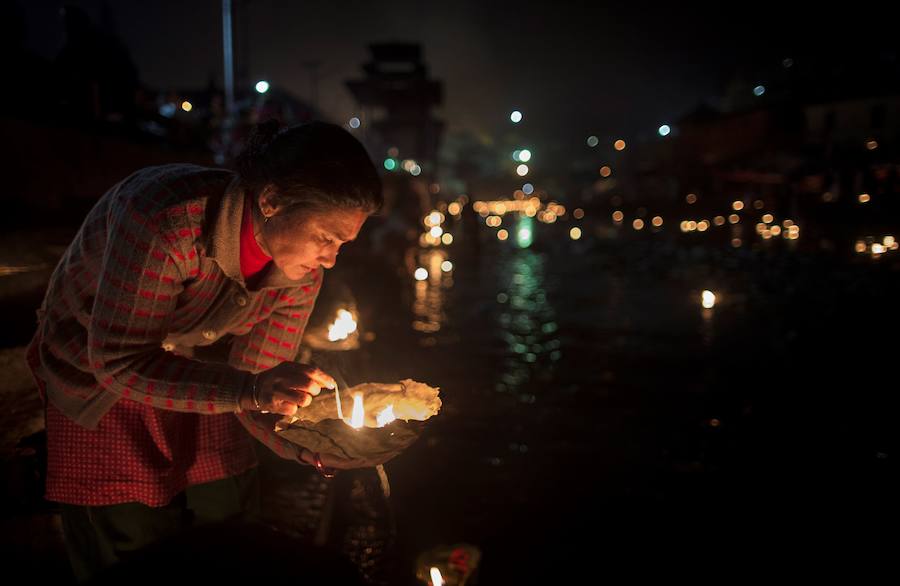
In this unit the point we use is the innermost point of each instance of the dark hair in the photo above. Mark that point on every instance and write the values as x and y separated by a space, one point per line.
315 165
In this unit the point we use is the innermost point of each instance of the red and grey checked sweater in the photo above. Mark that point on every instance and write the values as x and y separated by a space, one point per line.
153 273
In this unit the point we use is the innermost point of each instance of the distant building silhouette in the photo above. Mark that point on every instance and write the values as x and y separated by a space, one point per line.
396 99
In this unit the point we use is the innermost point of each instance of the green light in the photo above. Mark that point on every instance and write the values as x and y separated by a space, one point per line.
524 232
390 164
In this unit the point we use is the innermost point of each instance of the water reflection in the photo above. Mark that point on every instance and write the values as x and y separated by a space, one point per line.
434 275
527 324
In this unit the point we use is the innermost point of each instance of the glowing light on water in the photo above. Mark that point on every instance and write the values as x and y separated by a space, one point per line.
524 232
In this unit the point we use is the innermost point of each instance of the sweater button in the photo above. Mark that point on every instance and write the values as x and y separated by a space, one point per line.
241 300
209 334
168 346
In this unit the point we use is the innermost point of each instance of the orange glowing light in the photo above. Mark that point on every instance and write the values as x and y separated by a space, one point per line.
734 218
864 198
691 198
657 221
619 145
638 224
737 205
618 216
605 171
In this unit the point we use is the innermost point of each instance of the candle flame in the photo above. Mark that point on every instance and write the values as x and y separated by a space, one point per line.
386 416
337 400
358 418
342 327
436 578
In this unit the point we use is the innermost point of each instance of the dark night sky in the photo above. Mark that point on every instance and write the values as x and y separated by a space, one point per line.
574 69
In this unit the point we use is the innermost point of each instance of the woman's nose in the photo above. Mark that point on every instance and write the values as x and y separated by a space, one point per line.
328 257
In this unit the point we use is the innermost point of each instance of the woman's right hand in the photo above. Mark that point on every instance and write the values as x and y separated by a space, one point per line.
285 388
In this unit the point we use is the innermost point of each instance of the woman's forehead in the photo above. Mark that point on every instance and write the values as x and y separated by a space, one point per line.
342 223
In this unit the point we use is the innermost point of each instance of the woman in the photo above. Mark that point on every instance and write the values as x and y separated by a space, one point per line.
181 303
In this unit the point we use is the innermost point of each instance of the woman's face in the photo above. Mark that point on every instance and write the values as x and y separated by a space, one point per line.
300 241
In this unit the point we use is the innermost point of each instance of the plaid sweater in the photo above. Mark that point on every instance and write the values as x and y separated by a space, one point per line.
153 273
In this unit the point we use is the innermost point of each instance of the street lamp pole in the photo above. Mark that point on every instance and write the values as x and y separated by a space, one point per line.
228 50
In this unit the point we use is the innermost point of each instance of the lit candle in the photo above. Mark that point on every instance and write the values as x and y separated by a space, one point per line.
436 578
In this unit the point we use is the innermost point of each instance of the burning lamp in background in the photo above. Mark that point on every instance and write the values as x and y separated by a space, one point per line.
343 326
339 333
453 565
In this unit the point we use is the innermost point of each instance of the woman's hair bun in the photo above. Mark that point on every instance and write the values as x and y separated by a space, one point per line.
253 155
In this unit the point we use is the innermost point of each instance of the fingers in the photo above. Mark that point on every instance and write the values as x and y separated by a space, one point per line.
304 377
291 397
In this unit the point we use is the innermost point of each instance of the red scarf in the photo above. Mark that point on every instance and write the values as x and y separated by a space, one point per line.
253 259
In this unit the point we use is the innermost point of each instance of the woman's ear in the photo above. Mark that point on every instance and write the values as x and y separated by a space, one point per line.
268 201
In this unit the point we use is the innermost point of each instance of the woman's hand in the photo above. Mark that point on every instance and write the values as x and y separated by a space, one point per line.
285 388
